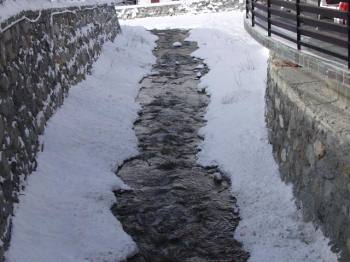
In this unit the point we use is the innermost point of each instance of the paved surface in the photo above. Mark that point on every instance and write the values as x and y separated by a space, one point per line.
177 210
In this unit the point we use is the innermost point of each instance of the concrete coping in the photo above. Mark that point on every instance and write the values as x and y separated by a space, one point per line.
336 74
311 94
174 3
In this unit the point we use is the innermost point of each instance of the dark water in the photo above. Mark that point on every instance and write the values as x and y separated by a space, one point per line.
177 210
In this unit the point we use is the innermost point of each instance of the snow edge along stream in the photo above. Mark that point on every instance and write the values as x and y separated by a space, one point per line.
272 228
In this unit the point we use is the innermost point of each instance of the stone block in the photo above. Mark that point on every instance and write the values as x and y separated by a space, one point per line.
2 129
4 83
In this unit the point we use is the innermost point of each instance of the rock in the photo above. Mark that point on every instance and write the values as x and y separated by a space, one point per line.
281 122
4 83
284 155
2 130
277 103
217 178
319 149
310 155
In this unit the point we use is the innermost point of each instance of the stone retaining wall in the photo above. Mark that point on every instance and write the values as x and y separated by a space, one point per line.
41 56
176 8
309 129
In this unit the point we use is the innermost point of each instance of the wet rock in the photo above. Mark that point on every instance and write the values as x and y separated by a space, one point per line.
217 178
320 149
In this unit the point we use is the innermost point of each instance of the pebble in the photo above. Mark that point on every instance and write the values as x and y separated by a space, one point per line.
217 178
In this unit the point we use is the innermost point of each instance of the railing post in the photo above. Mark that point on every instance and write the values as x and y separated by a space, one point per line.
246 8
269 17
253 17
348 24
297 2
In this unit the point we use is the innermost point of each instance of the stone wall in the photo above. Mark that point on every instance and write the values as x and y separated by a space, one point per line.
176 8
309 129
42 54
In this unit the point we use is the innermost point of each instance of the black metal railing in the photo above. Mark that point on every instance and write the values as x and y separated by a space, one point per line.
305 24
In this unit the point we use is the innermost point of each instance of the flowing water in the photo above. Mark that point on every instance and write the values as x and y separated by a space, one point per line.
177 210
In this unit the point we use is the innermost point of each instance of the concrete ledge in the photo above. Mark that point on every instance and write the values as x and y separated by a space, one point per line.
336 74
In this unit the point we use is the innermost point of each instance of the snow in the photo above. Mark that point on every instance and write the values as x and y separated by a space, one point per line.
64 213
271 228
177 44
12 7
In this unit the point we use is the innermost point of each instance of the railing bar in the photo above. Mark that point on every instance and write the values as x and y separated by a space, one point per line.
262 17
325 51
261 25
289 5
260 6
283 25
283 14
283 36
322 11
326 25
329 39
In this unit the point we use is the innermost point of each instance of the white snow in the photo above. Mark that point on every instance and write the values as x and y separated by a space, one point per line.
64 212
177 44
271 228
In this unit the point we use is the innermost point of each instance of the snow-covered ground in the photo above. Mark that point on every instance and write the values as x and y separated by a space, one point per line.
236 138
64 212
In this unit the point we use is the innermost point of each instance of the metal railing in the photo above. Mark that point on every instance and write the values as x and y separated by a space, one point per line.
319 28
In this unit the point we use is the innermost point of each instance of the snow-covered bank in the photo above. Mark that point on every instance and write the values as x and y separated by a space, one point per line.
64 212
236 138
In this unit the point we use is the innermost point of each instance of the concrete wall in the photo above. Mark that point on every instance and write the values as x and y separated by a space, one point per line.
41 57
175 8
309 129
144 2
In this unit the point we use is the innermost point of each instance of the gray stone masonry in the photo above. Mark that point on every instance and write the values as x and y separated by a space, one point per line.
309 129
41 57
